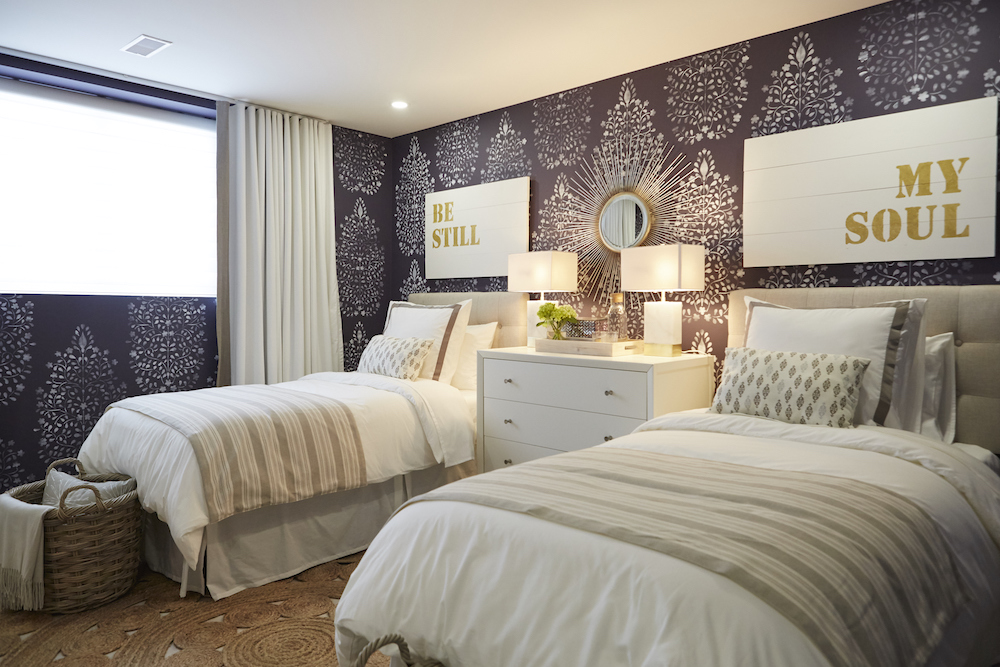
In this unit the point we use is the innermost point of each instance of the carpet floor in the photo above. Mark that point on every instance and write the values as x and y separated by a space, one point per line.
287 622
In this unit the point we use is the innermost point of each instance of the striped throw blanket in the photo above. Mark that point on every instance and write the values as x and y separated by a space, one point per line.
863 572
258 445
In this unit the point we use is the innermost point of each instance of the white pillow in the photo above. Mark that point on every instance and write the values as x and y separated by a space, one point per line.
867 333
477 337
56 483
939 389
445 325
395 357
906 407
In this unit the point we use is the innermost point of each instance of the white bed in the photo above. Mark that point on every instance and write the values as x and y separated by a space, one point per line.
406 450
474 585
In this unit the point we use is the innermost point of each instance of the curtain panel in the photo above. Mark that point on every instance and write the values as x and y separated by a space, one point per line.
284 312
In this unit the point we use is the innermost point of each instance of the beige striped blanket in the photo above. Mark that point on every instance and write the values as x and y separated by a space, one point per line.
258 445
862 571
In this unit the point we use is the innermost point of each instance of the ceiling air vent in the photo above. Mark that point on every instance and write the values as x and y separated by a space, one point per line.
146 46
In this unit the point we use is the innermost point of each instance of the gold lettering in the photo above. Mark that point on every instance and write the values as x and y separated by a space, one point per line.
856 226
454 236
474 240
907 177
950 175
464 242
951 223
437 238
913 223
446 230
437 213
878 225
449 211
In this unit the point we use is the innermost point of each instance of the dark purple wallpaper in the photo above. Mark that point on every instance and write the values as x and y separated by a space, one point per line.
63 359
898 56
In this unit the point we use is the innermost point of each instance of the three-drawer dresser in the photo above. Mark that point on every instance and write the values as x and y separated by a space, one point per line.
533 404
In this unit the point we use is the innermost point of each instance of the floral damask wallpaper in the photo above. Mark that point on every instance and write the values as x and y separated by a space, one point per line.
902 55
63 359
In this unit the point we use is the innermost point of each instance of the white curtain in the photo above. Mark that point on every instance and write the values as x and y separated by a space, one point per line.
284 305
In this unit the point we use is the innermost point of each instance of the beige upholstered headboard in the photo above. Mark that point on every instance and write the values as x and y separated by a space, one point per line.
507 308
972 312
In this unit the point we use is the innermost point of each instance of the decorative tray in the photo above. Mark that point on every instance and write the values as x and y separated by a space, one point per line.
589 347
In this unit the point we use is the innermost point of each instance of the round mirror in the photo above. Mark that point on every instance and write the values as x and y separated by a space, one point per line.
624 222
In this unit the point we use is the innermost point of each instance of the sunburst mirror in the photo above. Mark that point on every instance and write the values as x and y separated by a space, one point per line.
626 193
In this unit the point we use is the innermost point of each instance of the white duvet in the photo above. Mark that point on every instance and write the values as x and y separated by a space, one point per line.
404 426
476 586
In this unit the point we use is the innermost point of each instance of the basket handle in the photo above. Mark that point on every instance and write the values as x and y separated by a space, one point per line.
97 496
79 466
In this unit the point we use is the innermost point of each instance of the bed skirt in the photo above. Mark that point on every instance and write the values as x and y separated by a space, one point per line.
272 543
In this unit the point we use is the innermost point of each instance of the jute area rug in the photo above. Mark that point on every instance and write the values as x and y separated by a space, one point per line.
287 622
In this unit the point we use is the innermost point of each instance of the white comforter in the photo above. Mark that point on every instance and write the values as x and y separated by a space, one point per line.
404 426
477 586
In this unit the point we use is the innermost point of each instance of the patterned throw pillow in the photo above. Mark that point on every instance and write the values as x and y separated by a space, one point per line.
793 387
395 357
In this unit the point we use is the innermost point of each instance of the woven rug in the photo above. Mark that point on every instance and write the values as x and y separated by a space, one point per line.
287 622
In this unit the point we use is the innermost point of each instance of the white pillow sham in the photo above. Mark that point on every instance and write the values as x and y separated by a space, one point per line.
793 387
896 400
56 483
477 337
395 357
445 325
939 398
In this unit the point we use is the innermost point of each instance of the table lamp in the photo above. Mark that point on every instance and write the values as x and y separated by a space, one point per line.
660 268
543 271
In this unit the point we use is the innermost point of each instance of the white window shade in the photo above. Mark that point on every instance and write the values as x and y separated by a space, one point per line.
104 197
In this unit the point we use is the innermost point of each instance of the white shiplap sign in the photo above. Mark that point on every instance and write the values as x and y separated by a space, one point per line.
470 231
913 185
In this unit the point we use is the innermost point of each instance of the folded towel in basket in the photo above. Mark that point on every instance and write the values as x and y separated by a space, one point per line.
22 534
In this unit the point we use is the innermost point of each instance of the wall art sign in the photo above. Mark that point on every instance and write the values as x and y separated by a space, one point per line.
912 185
470 231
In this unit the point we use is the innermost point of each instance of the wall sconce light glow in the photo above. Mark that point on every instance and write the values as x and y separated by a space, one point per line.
399 104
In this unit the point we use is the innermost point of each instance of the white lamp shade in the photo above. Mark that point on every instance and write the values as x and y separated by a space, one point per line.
659 268
546 271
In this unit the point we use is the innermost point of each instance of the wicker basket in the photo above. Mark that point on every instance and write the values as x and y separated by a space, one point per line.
91 552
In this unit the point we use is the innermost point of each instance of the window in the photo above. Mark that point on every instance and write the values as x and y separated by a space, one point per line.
104 197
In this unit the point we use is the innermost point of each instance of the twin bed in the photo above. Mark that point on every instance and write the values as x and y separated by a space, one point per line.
717 539
400 424
701 539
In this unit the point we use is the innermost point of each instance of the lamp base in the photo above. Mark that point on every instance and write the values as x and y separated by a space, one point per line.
535 331
661 350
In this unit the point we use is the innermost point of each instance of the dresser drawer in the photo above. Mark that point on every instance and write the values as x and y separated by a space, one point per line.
601 390
557 428
503 453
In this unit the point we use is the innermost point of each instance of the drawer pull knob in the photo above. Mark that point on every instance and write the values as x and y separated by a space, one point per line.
507 462
508 381
508 421
608 437
608 392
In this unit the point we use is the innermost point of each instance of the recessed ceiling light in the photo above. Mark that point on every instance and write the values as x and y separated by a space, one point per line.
146 46
399 104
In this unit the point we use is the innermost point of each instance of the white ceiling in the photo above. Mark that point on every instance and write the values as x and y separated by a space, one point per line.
347 60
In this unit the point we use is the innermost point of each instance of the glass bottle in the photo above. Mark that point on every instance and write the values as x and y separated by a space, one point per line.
617 322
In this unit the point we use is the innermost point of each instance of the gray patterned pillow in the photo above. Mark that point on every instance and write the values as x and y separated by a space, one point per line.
395 357
793 387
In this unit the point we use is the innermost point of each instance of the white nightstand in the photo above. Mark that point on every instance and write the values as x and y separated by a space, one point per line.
534 404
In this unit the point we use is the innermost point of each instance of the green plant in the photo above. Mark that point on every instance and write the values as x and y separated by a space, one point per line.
554 317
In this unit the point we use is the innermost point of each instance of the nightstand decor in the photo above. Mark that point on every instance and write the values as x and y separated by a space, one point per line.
547 271
659 269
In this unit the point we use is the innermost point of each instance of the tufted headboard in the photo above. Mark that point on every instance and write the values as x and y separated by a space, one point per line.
507 308
972 312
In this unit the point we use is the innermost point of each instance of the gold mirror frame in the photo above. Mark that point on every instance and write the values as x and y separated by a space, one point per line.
649 171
